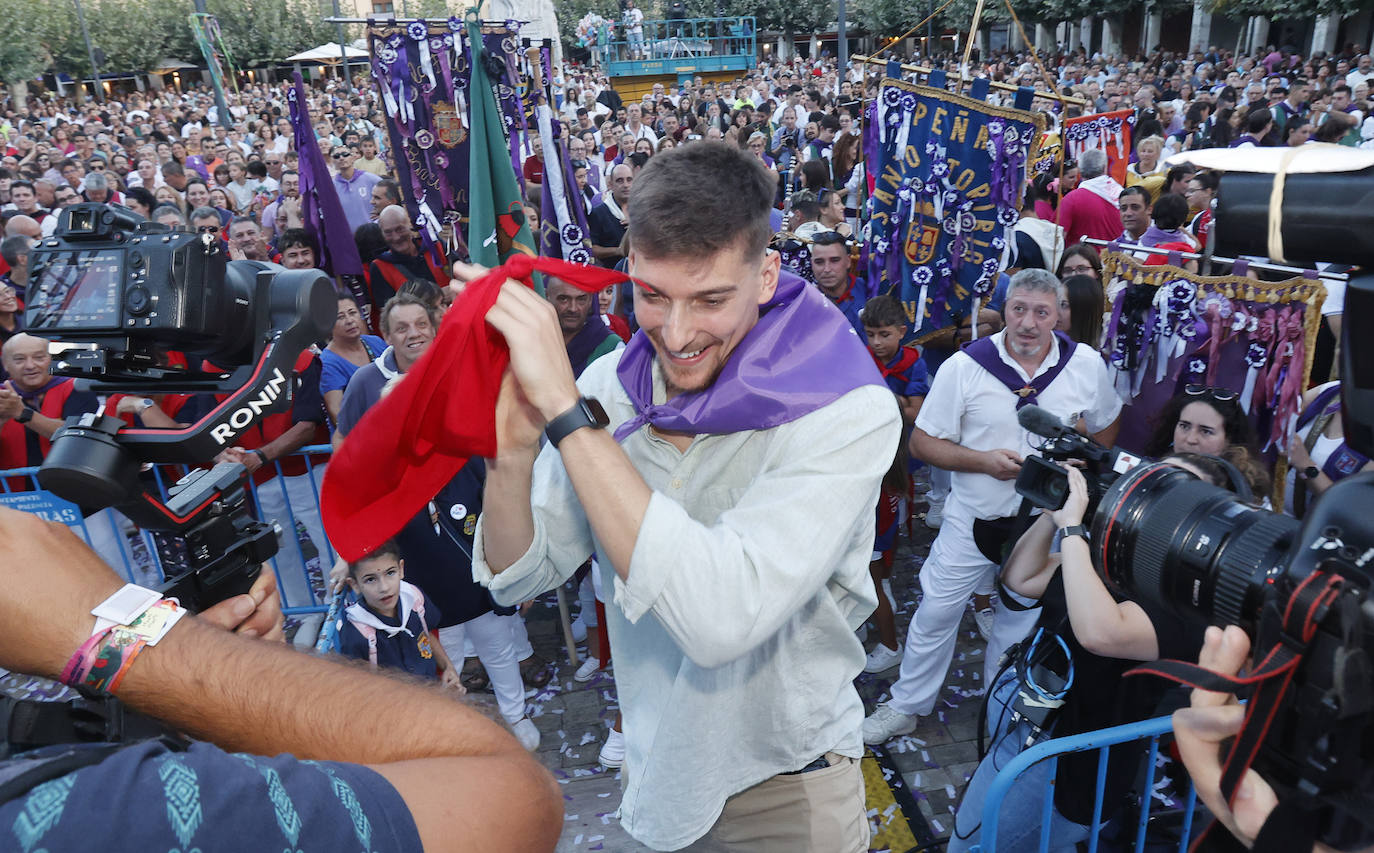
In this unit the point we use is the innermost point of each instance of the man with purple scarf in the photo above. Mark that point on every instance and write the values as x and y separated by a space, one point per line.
968 425
724 465
585 334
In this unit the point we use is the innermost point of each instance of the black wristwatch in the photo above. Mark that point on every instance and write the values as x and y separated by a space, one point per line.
24 416
1075 530
587 413
1311 472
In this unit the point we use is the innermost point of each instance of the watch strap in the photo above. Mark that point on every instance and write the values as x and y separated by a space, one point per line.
1311 472
587 412
1073 530
24 416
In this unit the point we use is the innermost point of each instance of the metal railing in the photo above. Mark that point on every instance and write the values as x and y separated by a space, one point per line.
1050 751
667 46
139 557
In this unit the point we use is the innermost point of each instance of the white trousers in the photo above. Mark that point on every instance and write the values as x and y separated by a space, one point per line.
491 639
953 572
301 494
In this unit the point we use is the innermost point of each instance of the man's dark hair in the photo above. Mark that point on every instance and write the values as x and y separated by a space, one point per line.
28 184
638 160
1257 121
257 169
1336 90
13 248
677 208
65 162
401 299
392 190
141 195
293 237
240 219
1136 190
1169 212
882 310
1178 173
426 291
831 121
172 168
1208 180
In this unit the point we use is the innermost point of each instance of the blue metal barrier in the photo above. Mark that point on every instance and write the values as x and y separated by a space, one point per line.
294 582
1101 740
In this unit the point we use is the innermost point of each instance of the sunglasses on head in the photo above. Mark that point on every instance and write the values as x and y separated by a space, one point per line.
1220 394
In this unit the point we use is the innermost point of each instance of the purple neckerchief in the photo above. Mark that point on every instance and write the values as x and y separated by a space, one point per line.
1153 236
985 354
592 335
34 399
800 356
1344 460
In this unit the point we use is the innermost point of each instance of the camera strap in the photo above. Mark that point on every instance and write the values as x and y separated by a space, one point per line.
1271 679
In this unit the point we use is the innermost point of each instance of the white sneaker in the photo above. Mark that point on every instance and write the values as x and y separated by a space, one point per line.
935 514
882 658
527 733
985 619
588 670
613 750
579 630
886 722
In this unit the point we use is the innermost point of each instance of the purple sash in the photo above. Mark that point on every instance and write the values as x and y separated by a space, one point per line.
592 335
800 356
1344 460
985 354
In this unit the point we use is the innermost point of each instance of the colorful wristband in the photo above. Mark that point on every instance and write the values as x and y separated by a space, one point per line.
103 660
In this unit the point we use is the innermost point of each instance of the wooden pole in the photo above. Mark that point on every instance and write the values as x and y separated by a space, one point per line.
1005 87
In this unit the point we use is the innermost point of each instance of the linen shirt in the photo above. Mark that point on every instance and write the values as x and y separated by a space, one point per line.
734 636
972 408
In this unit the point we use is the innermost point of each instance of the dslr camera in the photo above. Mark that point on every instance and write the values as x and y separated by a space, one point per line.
1300 589
146 310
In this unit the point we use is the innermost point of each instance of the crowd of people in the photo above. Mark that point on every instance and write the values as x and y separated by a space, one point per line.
732 604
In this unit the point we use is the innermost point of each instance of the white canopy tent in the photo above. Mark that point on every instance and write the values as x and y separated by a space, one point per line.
327 53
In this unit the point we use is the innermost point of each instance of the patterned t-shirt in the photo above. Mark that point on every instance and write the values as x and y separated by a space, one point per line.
147 798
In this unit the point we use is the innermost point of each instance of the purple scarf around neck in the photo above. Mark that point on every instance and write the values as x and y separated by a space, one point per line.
802 355
1155 235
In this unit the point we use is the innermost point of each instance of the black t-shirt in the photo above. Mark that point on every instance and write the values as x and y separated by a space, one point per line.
605 227
1101 698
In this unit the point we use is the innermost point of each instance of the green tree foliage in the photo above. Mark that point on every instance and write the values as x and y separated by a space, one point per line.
24 49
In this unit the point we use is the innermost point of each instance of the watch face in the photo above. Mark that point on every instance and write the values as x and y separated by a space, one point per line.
595 412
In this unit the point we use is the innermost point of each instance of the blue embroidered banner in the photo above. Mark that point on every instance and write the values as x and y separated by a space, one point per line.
422 72
948 172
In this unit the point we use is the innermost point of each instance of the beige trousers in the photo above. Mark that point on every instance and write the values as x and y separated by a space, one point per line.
822 811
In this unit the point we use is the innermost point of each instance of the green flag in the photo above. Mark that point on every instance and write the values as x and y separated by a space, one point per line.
496 214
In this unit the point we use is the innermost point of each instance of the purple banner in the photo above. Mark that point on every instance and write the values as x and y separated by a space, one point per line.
422 73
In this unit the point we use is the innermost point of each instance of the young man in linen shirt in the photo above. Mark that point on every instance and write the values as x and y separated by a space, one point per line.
737 554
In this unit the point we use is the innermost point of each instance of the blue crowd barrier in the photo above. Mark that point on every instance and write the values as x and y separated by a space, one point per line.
1152 730
300 594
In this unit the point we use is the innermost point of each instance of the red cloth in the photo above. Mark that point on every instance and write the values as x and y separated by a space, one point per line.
1085 213
1161 260
419 436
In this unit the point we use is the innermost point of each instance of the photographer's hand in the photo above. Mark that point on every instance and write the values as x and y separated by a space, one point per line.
1200 729
1076 504
255 614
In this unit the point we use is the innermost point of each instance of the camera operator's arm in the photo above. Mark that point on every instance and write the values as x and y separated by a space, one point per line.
448 762
1102 625
1030 565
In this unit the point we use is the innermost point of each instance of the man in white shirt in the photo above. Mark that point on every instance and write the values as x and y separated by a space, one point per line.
736 547
968 426
1363 72
634 124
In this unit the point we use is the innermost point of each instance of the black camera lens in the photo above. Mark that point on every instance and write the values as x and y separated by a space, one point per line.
1193 548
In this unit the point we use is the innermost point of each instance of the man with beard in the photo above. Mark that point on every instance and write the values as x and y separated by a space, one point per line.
968 426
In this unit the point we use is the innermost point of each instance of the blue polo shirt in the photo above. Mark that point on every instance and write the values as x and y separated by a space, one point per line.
355 196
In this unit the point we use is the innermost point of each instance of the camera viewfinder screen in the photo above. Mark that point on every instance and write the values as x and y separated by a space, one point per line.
77 290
